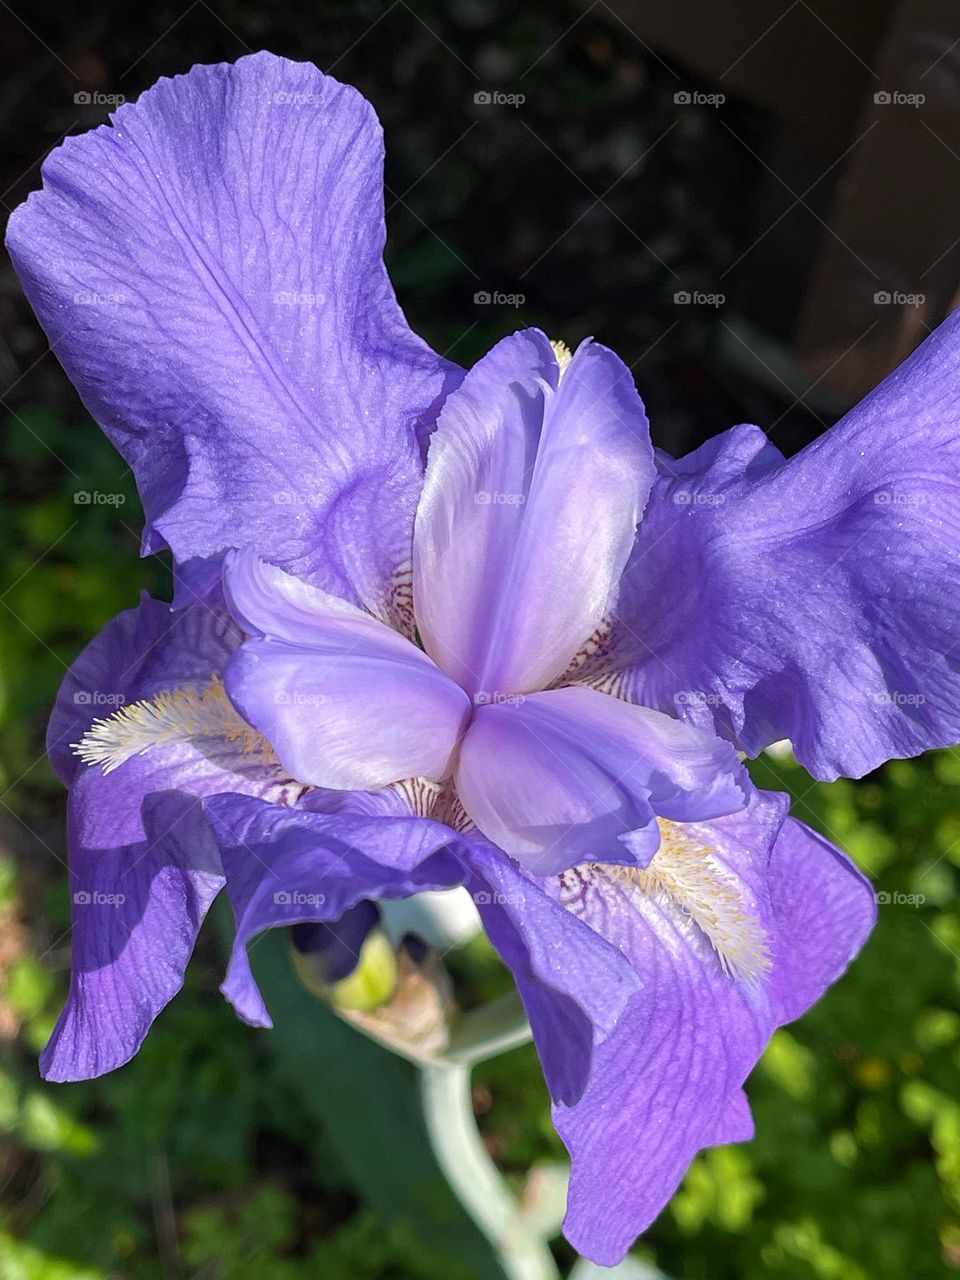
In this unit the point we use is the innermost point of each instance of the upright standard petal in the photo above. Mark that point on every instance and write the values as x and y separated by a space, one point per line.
535 482
557 777
343 699
209 272
816 599
723 946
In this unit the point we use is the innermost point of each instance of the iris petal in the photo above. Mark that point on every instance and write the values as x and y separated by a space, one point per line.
209 272
137 909
345 701
825 607
530 503
558 777
667 1081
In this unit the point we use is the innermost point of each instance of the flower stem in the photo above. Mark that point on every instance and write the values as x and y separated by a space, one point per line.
475 1179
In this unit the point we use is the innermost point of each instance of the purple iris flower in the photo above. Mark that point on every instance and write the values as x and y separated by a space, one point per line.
436 629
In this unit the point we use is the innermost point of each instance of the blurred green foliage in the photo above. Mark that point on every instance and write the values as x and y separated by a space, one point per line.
207 1157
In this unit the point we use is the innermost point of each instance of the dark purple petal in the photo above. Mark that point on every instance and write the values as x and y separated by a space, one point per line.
824 906
344 700
209 272
556 778
136 912
573 983
337 943
667 1081
287 866
534 486
814 599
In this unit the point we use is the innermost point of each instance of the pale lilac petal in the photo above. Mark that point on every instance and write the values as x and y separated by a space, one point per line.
209 271
344 700
814 599
571 775
533 490
136 913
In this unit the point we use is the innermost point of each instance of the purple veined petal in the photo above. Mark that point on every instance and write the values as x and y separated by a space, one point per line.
209 272
736 1123
143 652
534 486
573 983
668 1080
285 867
571 775
345 701
136 911
825 608
824 905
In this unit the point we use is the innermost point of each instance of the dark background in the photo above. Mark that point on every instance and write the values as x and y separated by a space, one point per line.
619 183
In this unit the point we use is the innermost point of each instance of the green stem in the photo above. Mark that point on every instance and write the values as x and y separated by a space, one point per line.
474 1178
